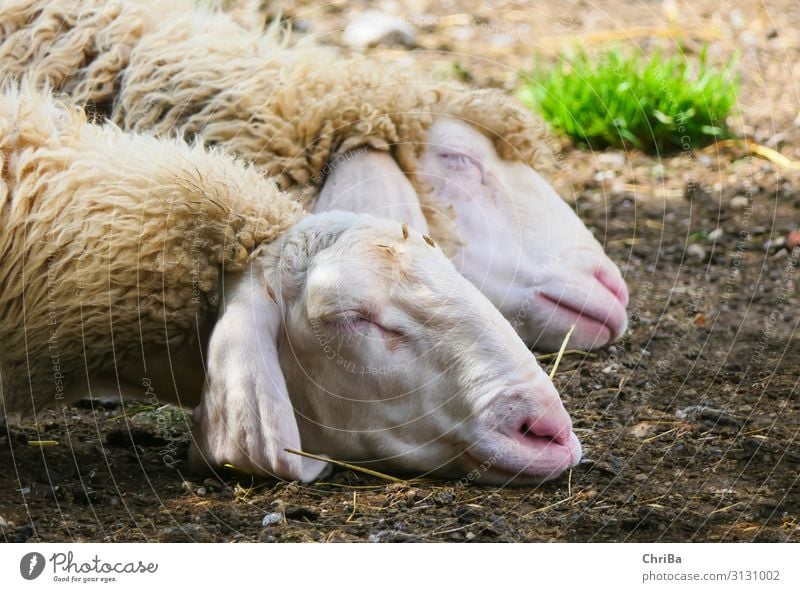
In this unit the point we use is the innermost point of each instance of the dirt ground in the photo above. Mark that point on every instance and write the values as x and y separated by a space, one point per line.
690 424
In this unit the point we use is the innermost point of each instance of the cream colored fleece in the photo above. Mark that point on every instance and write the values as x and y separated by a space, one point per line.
111 242
173 67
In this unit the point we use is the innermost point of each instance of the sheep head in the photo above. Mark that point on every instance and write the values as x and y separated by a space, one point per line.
375 350
521 244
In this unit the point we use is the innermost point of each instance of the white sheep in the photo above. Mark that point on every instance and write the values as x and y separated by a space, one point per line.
378 352
468 156
110 237
350 335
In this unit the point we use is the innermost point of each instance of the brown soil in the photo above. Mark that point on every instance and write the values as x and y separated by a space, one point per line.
690 424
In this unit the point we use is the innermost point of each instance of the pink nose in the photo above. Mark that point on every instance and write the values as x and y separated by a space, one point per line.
549 436
528 435
556 427
613 283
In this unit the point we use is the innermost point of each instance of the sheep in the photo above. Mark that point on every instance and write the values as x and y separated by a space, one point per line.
150 267
468 155
380 353
111 237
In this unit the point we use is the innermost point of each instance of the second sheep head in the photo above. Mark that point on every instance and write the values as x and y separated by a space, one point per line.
517 240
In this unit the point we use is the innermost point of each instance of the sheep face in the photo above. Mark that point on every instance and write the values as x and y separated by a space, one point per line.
393 359
522 245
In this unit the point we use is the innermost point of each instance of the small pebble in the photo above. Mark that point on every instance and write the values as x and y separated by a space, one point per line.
696 251
775 243
373 27
493 499
641 477
740 202
201 491
272 518
601 176
614 158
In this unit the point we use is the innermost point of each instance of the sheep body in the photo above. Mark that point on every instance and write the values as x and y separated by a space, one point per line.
173 66
112 243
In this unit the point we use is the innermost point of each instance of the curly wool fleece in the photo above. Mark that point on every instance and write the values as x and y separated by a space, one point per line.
112 243
172 66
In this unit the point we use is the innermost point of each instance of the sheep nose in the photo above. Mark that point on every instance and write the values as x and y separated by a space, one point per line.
611 279
554 426
529 432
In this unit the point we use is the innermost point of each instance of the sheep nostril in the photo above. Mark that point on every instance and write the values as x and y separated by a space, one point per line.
536 432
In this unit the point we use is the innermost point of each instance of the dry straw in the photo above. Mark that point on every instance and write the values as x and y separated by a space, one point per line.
349 466
561 352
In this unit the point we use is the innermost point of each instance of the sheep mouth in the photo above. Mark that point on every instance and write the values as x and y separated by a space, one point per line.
529 458
606 325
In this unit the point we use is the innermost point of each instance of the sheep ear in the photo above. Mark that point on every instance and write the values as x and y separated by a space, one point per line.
370 182
245 417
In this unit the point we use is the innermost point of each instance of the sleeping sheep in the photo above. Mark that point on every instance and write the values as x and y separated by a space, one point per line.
155 268
461 163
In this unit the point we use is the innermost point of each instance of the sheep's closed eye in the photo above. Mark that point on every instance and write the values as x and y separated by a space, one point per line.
463 163
361 324
459 160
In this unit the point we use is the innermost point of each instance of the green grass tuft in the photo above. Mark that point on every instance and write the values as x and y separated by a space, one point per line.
656 104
